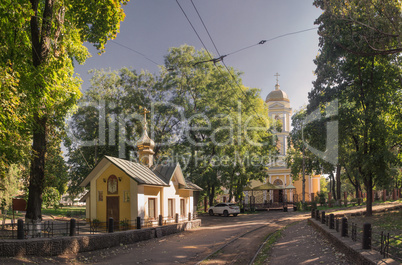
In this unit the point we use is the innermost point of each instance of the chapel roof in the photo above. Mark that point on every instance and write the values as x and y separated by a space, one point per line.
159 175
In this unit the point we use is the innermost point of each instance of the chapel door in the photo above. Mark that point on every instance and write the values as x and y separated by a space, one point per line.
280 195
112 209
276 195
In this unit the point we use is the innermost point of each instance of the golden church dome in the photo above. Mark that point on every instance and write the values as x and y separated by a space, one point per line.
145 141
277 95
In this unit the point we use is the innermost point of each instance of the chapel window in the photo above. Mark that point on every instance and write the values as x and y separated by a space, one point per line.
278 182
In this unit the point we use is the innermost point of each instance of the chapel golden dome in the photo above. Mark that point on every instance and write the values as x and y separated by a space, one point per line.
277 95
145 141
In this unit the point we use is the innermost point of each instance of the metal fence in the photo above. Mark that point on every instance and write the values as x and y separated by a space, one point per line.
390 246
73 227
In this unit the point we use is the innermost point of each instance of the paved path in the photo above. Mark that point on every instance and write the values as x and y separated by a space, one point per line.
301 244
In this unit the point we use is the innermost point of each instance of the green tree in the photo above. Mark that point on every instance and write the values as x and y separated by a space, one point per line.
10 185
199 117
41 40
108 121
366 83
51 197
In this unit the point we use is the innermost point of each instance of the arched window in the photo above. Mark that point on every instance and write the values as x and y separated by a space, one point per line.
112 185
278 182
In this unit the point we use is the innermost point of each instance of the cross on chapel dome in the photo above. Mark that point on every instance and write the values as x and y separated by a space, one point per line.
277 94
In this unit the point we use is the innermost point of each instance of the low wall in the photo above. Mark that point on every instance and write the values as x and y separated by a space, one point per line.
72 245
352 250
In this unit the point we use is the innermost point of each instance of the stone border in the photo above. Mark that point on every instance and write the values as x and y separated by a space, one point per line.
73 245
352 250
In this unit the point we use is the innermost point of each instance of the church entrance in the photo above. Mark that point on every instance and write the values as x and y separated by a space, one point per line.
112 209
278 195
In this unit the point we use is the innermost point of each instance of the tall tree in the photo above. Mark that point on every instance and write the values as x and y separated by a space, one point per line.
199 117
41 46
365 82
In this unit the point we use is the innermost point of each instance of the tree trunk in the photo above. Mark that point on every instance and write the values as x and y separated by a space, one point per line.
369 201
212 196
304 179
338 182
37 173
332 185
357 191
41 32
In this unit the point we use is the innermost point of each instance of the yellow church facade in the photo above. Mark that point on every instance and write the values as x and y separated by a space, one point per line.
278 185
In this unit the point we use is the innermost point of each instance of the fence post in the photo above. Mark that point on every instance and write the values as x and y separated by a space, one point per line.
312 213
189 216
20 229
344 227
317 215
323 217
160 220
72 227
111 224
337 225
177 218
331 221
138 222
366 236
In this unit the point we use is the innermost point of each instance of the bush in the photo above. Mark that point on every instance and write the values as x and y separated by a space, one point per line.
321 198
314 205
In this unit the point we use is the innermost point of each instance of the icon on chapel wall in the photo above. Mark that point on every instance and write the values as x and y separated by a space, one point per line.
126 196
112 185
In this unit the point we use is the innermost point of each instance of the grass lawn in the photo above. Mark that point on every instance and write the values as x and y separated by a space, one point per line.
77 212
66 211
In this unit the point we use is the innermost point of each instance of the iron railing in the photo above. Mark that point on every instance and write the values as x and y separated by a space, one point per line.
69 228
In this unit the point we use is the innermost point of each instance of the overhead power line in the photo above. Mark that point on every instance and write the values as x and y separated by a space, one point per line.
137 52
220 58
271 39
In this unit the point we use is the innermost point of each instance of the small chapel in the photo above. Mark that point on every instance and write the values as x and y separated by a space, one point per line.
279 186
125 190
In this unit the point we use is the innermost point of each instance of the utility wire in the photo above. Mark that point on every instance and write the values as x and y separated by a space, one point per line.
143 55
220 59
203 44
268 40
191 24
205 27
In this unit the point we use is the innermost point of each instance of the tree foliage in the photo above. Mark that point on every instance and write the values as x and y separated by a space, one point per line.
39 41
201 116
356 67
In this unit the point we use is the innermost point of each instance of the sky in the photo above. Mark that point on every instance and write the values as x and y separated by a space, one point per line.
151 27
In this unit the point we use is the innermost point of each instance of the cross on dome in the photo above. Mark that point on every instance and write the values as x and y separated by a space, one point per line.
277 78
277 81
144 112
